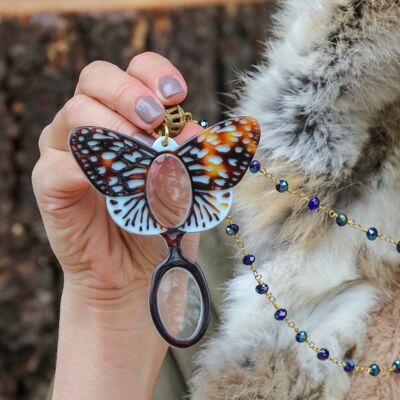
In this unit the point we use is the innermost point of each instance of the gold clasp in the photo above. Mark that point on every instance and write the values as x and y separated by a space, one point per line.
174 121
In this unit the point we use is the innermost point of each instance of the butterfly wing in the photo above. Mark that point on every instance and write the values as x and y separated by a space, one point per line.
117 166
217 160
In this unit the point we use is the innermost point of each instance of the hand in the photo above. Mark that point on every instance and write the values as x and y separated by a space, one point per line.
108 347
99 259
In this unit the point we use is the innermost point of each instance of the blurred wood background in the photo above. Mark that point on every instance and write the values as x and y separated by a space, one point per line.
40 59
16 7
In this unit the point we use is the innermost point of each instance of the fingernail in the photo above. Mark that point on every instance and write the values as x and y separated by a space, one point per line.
148 109
169 86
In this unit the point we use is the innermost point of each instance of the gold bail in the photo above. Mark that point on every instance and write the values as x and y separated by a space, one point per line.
174 121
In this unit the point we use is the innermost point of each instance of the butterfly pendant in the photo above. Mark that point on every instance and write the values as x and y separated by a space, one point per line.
124 170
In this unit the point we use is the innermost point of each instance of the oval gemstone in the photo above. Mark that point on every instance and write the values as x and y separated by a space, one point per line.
374 369
372 234
169 190
249 259
232 229
262 289
281 314
301 337
349 366
314 203
341 219
282 186
323 354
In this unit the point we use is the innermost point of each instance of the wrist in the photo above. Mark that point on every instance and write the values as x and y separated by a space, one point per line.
104 341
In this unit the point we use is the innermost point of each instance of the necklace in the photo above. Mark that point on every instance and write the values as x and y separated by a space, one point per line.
281 314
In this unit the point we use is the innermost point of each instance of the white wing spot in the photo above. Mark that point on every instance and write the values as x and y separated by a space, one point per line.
112 180
232 162
202 153
117 166
117 188
217 160
108 155
223 148
201 179
135 183
229 128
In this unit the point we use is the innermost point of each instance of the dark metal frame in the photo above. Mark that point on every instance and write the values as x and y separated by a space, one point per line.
176 259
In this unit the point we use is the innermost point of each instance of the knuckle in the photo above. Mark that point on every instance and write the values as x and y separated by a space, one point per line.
126 90
142 58
36 176
91 69
74 105
42 138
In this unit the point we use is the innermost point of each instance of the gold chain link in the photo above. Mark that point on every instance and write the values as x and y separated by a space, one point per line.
290 323
331 213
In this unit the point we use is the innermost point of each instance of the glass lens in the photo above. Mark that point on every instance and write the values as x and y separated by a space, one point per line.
169 190
180 304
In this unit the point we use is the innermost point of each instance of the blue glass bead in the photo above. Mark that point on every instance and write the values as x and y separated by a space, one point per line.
396 366
314 203
255 166
262 289
301 337
374 369
349 366
323 354
281 314
203 123
232 229
372 233
249 259
282 186
341 219
398 247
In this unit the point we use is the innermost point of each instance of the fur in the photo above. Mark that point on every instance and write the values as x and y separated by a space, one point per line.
328 99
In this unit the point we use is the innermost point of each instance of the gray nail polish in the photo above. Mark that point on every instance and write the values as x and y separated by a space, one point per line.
169 86
148 109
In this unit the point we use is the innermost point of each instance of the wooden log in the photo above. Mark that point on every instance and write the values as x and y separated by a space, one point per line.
40 60
27 7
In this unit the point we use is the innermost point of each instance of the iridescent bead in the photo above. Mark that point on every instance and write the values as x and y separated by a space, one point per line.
262 289
374 369
349 366
313 203
232 229
398 247
249 259
341 219
281 314
372 234
282 186
203 123
323 354
255 166
301 337
396 366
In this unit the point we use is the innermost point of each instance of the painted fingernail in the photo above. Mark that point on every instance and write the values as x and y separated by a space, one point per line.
148 109
169 86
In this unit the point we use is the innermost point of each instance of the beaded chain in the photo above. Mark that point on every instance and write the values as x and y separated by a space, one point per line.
281 314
